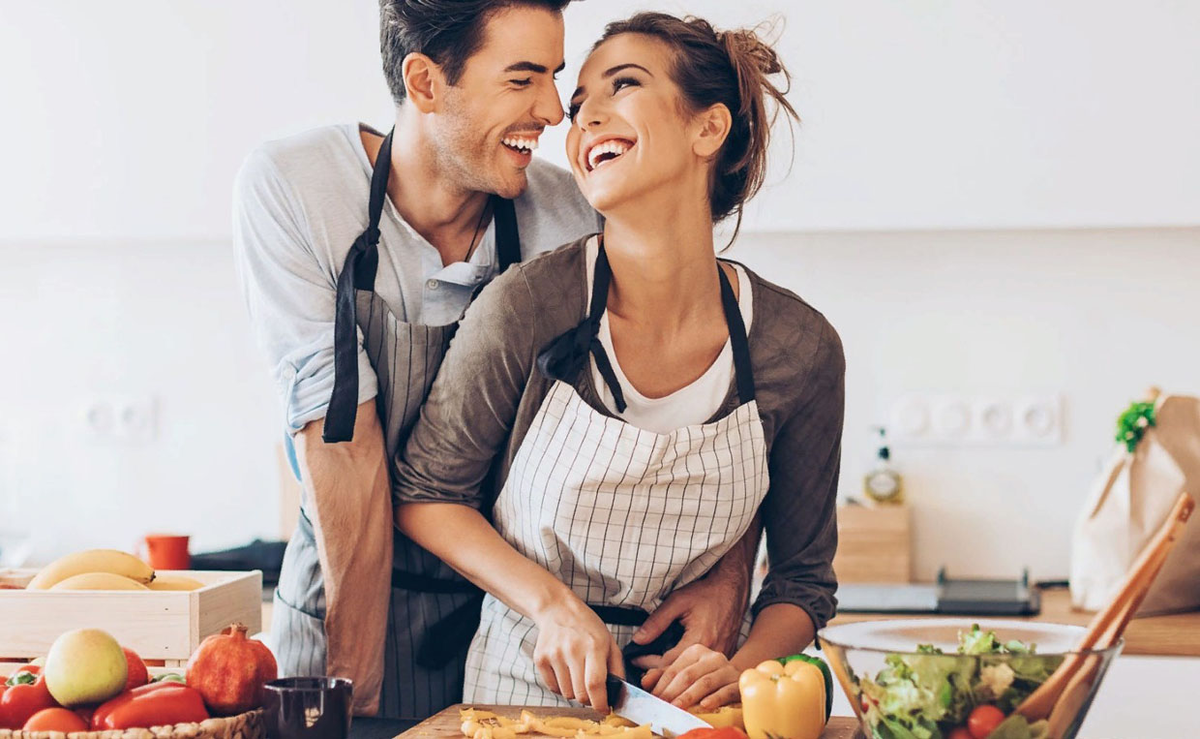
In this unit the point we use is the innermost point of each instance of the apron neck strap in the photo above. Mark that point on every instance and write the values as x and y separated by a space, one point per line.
565 357
508 242
358 273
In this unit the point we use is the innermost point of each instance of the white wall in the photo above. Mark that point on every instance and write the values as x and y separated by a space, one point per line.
125 121
917 114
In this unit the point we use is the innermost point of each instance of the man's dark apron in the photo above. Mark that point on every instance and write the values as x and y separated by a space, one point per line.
423 671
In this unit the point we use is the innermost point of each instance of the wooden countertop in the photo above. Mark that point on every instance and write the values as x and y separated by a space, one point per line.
448 725
1176 635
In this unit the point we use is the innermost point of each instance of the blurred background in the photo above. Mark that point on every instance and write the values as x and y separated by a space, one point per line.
997 204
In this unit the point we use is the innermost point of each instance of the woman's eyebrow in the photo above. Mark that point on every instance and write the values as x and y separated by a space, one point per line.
610 72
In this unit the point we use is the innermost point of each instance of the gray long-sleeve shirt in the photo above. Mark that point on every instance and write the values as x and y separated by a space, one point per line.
489 391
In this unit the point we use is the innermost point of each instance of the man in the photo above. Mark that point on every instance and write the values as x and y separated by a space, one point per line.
357 257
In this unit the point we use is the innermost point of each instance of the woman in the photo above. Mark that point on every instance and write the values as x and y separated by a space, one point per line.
630 402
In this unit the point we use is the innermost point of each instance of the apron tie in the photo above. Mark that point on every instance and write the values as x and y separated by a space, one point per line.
566 356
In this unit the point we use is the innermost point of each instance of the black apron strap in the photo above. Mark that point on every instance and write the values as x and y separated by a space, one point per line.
564 357
508 242
742 371
628 616
358 273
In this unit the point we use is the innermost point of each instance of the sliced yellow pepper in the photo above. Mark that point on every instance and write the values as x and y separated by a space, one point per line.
783 701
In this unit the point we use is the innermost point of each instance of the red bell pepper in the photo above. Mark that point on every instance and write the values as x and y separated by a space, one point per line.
156 704
19 702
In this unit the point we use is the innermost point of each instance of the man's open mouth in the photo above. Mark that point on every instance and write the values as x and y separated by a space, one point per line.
606 151
520 144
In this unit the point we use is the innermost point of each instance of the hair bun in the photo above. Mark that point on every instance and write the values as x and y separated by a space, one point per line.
744 46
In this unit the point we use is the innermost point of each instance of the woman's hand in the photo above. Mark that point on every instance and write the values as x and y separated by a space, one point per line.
699 675
575 652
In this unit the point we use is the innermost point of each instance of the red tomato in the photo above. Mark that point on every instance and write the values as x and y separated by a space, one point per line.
983 720
137 673
725 732
16 679
959 732
156 704
55 719
20 702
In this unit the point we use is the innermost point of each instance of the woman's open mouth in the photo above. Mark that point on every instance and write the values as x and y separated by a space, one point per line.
607 150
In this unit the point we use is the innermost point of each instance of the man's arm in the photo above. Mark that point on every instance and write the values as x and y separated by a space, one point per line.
352 517
711 609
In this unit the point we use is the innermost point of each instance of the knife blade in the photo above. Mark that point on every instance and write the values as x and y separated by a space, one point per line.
629 701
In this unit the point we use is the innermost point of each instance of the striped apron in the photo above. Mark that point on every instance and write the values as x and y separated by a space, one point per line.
422 673
622 515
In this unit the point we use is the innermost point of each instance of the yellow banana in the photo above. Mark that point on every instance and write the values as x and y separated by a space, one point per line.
93 560
98 581
174 582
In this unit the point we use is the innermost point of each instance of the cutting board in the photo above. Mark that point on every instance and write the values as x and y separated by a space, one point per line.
447 724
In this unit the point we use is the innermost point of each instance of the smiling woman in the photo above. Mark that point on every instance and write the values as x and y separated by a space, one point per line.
649 403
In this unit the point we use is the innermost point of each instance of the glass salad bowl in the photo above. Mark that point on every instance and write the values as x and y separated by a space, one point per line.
958 678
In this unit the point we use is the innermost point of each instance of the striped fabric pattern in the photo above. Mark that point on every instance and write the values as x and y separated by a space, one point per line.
622 515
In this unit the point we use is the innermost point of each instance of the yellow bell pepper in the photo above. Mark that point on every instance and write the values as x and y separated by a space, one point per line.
783 701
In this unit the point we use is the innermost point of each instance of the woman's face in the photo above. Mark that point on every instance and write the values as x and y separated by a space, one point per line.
629 135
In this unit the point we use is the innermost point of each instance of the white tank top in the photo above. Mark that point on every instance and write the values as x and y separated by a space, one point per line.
688 406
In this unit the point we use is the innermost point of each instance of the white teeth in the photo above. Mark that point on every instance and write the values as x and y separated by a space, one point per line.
612 146
520 142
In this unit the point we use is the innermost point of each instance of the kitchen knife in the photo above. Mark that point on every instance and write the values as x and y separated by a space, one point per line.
631 702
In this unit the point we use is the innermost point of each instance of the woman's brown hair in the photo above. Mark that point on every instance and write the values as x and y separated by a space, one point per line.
729 67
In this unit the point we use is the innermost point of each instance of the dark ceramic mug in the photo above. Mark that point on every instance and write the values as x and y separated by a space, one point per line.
307 708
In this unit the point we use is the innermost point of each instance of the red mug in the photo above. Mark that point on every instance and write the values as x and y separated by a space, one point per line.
168 552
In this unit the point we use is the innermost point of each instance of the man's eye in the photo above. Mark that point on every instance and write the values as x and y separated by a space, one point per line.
522 83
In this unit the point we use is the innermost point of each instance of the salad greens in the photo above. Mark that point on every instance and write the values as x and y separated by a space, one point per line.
927 694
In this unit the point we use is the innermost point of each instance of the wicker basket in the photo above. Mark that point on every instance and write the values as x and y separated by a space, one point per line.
247 725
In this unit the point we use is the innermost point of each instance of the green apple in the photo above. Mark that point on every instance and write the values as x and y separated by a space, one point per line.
84 666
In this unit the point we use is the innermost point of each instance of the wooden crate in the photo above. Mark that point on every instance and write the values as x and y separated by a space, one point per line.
158 625
874 544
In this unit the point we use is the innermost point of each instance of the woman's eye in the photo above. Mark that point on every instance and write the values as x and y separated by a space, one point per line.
622 82
572 111
522 83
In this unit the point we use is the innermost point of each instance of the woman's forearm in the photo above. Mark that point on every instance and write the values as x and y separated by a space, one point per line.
779 630
461 537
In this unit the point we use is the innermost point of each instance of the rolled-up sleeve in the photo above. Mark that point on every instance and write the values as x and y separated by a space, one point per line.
473 403
800 510
290 295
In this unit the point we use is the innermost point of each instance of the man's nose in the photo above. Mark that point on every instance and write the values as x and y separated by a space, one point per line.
547 108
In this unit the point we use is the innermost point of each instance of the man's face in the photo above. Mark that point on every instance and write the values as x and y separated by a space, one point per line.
489 123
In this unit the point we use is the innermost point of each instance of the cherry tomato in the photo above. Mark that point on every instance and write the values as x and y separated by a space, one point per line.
20 702
55 719
959 732
983 720
726 732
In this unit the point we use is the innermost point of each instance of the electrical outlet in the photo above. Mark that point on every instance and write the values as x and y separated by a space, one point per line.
963 419
120 419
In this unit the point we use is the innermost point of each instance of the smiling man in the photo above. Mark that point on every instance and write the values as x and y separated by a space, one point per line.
358 253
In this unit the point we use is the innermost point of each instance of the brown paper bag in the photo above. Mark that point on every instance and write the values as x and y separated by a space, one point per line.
1128 503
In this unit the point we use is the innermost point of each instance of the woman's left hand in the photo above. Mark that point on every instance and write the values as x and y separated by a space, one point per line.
699 675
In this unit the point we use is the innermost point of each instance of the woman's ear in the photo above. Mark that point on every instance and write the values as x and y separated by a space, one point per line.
422 81
712 128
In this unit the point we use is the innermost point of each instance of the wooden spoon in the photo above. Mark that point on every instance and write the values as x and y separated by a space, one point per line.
1073 677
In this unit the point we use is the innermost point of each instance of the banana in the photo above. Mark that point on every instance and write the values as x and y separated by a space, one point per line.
174 582
93 560
98 581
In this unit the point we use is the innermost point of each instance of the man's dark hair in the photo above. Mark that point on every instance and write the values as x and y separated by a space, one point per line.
447 31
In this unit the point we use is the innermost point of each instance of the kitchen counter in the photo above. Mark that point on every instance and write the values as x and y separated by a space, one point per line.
1176 635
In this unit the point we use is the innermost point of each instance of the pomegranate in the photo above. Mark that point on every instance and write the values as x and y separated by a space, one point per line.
230 671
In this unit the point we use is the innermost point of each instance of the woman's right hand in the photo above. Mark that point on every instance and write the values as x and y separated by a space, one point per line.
575 652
